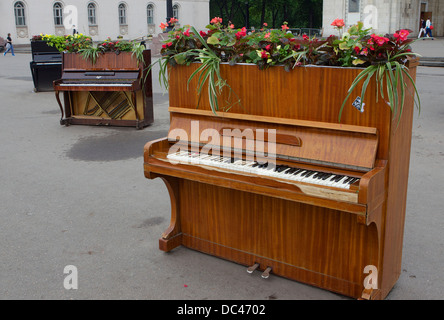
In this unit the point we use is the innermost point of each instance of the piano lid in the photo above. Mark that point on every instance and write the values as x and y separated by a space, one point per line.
327 144
49 57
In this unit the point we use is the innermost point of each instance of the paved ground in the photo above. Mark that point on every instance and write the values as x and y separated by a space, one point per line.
77 196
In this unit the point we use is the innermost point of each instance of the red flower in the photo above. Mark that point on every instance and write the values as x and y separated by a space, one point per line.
285 27
338 23
241 34
268 47
305 37
187 33
264 55
169 44
203 34
357 50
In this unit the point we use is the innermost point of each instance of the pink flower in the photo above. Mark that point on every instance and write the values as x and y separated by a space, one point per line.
173 21
364 52
338 23
231 26
284 27
379 40
216 20
267 35
163 26
265 24
268 47
401 35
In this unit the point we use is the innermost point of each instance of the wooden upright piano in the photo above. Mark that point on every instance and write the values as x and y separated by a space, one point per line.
114 91
330 213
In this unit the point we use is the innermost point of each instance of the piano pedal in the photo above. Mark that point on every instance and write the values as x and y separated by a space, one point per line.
266 273
253 267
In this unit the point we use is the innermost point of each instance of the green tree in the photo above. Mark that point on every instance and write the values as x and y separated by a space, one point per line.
250 13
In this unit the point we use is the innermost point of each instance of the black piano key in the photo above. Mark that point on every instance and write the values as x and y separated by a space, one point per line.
327 176
347 180
310 174
338 177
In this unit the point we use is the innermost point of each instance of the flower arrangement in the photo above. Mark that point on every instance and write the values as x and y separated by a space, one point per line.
383 58
79 43
67 43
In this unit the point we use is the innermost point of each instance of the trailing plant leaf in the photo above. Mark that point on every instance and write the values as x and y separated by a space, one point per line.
90 54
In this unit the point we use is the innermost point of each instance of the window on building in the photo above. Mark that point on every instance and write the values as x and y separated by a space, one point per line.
122 14
92 20
58 14
353 5
19 12
150 13
176 11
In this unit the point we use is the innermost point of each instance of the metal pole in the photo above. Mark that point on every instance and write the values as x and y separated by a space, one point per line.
169 4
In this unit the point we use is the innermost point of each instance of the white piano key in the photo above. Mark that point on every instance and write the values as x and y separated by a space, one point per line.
267 170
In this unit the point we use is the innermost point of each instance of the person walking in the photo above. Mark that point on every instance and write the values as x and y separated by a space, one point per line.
429 29
422 28
9 46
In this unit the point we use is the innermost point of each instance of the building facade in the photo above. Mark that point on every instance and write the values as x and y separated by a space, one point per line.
100 19
385 16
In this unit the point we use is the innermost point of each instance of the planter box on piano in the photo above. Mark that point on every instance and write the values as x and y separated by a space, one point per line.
333 236
115 91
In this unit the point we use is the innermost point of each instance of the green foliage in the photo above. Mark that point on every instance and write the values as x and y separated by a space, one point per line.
298 13
79 43
382 58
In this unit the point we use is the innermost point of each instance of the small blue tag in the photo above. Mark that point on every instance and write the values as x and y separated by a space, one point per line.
358 104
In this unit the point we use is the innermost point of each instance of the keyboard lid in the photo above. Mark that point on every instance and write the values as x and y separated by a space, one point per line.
343 146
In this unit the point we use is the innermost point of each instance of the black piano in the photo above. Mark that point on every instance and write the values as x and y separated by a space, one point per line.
46 65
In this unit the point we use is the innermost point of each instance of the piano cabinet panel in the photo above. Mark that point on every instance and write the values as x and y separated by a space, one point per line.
314 245
74 107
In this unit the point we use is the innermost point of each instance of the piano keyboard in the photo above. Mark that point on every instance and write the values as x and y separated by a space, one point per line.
266 169
95 84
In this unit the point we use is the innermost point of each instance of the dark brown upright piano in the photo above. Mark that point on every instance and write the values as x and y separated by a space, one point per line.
115 91
330 213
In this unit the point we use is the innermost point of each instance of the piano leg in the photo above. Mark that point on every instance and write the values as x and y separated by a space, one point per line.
62 121
172 237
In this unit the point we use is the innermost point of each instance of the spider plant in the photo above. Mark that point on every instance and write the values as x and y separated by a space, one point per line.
391 81
91 53
137 50
208 72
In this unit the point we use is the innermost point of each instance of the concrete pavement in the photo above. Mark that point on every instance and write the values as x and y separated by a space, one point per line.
77 196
